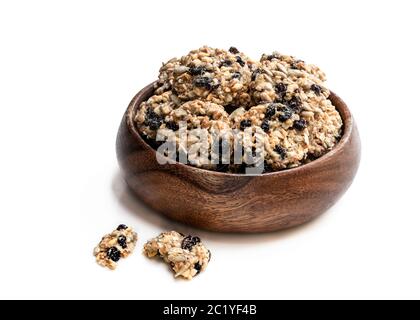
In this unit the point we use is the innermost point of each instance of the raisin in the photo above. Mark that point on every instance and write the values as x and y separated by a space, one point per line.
317 89
203 82
255 74
295 100
271 111
189 242
226 63
280 151
230 108
299 124
114 254
295 104
196 71
233 50
267 167
245 124
172 126
197 267
209 255
236 75
155 124
271 57
122 227
240 61
265 125
151 142
153 120
281 88
122 241
311 157
285 114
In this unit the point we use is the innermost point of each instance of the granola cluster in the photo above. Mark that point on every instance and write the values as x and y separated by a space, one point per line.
284 101
186 255
114 246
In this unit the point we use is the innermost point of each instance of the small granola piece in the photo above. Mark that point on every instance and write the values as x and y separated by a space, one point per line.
186 255
114 246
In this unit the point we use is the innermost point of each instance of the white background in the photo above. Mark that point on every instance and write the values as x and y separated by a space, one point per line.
68 69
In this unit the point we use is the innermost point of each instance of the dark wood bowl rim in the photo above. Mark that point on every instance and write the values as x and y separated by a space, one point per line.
342 108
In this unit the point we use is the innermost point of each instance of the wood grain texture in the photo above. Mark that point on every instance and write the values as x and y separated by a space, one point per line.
234 202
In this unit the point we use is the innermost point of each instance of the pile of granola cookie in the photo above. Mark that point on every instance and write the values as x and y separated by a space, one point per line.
280 98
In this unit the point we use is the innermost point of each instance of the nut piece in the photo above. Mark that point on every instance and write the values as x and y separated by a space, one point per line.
114 246
186 255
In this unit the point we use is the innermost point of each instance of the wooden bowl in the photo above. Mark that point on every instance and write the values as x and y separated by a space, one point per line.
236 202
